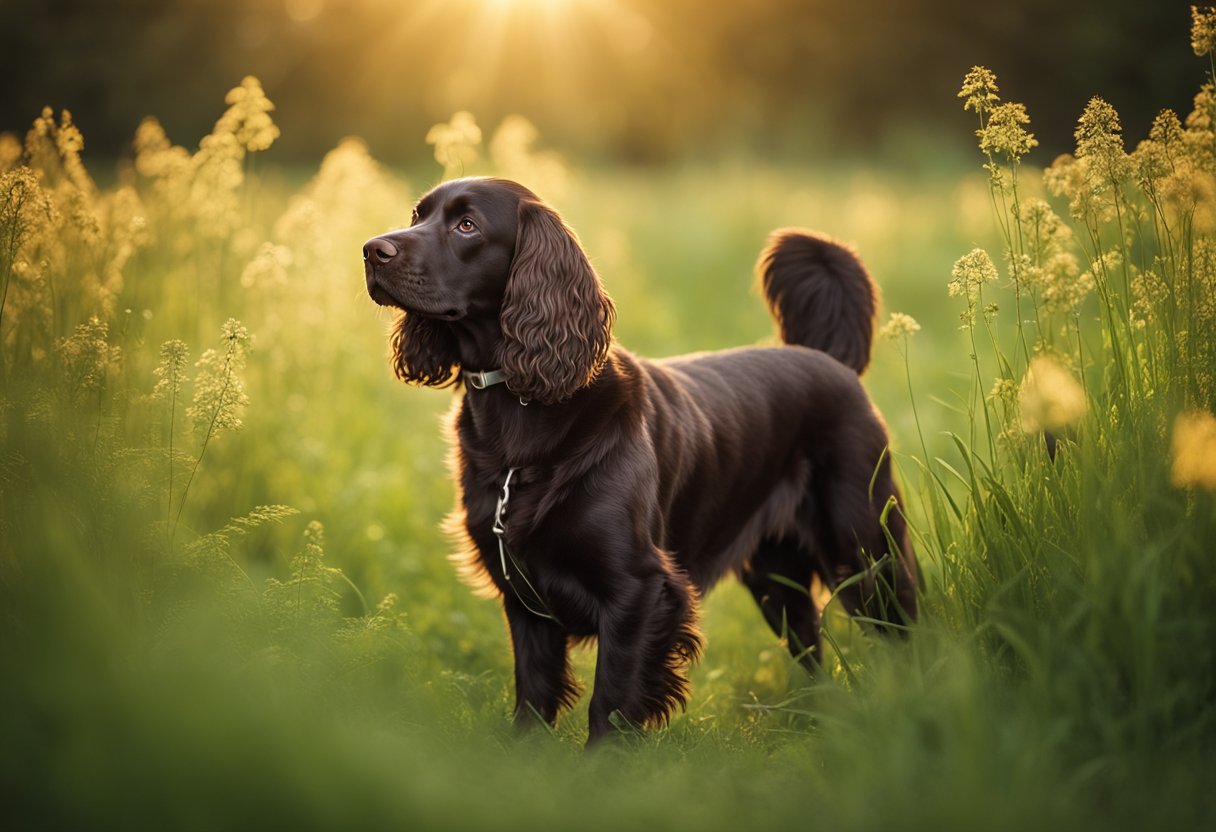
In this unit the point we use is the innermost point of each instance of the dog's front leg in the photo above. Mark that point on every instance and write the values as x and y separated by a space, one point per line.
647 638
543 684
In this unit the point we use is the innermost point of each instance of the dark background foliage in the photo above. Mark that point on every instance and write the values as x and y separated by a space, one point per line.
633 80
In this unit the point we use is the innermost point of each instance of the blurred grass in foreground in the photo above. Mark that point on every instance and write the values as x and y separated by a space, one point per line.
314 661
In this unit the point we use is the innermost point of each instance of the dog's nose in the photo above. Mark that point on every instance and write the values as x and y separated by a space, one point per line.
379 250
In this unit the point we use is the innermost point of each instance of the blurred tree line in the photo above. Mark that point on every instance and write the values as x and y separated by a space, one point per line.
635 80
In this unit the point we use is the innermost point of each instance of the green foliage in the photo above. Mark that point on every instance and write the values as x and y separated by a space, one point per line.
223 597
1075 549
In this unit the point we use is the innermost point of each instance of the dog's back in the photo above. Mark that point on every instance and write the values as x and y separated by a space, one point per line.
761 419
741 431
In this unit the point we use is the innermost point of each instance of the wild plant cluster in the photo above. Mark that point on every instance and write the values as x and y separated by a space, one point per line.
106 436
1072 532
125 376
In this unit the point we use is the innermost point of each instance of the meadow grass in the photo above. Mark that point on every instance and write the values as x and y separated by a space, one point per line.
225 597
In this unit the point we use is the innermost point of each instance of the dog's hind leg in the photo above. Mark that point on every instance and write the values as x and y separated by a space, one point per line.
871 565
779 577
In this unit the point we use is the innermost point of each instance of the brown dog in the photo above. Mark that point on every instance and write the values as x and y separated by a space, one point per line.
602 494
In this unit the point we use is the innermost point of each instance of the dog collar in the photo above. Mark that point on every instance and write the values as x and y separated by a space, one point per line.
481 379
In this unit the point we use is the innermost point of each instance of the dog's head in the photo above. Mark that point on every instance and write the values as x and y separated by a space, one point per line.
488 256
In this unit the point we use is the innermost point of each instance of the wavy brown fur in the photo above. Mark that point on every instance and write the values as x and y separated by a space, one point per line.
423 351
556 318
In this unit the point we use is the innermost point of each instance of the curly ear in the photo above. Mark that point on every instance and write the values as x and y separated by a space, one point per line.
556 317
423 351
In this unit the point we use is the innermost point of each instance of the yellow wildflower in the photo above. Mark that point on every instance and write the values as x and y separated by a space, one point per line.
53 151
155 156
1063 176
27 218
217 177
1149 291
512 142
898 326
25 209
1004 132
349 194
87 357
1071 177
1099 138
1203 29
513 157
1203 296
970 273
455 143
1049 398
980 90
1167 132
268 267
1194 451
1003 390
1149 164
219 391
1064 286
1200 134
248 116
1157 157
1044 232
1201 116
171 371
10 151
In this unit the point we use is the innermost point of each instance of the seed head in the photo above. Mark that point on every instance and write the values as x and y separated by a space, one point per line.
899 326
980 90
171 372
970 272
1003 390
1065 287
87 357
1203 29
248 116
1099 138
1167 130
1004 133
219 392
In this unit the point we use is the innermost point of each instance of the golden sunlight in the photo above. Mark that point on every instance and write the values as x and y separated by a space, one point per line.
531 55
302 11
549 6
609 15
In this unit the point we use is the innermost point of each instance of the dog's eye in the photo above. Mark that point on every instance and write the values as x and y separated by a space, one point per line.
466 226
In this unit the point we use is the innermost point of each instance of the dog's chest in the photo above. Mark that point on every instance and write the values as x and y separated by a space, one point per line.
500 515
519 553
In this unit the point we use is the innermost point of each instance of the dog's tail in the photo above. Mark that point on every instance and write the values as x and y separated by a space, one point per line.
820 294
